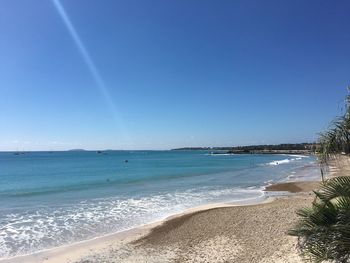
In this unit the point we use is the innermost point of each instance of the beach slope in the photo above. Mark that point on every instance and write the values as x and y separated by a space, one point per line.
253 233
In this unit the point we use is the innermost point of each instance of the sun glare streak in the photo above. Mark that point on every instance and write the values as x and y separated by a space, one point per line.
92 68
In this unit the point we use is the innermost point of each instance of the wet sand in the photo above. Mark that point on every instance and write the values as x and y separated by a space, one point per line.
295 187
337 166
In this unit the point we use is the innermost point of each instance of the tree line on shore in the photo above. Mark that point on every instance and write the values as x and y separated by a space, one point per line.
263 147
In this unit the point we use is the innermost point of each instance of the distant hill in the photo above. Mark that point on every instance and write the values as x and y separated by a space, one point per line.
77 150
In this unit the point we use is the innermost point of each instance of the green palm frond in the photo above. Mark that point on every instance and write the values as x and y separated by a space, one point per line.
335 187
323 229
337 137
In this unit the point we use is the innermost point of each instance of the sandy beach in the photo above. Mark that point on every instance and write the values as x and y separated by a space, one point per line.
233 234
248 233
216 233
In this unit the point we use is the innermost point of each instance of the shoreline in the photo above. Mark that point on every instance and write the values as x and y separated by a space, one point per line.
74 252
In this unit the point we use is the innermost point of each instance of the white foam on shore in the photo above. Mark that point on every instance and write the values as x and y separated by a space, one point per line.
298 155
46 228
284 161
278 162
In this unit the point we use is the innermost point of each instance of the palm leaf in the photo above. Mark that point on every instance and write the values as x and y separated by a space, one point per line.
323 230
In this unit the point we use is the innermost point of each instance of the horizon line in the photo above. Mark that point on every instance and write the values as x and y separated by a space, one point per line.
169 149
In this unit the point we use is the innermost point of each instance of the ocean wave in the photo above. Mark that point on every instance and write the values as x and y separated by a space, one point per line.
284 161
278 162
24 233
299 155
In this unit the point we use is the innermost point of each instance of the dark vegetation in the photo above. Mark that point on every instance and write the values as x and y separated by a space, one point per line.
255 148
336 139
323 230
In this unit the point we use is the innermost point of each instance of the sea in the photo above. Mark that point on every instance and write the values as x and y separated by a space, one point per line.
49 199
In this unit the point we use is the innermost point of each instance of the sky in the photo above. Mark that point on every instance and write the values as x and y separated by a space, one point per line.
136 74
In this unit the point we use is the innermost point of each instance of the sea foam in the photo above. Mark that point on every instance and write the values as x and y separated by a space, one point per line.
284 161
46 228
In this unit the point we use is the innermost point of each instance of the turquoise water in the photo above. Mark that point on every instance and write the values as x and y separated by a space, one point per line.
51 199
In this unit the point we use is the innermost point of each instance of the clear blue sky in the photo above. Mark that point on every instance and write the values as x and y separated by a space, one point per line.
163 74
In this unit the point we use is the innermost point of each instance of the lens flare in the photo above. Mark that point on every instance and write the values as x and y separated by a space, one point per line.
100 84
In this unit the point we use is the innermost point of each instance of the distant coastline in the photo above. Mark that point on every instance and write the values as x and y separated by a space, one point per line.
297 148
